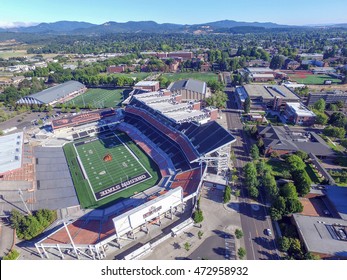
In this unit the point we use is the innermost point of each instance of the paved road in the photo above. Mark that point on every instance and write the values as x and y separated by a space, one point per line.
254 215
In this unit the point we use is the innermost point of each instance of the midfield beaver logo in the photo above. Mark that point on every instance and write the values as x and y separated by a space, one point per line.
107 158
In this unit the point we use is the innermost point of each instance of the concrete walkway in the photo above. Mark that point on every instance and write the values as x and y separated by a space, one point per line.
218 228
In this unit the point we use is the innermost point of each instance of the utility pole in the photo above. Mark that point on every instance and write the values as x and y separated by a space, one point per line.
25 205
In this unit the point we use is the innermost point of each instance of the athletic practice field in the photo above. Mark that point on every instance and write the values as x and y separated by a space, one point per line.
193 75
107 168
308 78
98 98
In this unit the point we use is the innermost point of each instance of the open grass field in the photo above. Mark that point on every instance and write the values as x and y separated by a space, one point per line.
109 168
99 98
311 79
193 75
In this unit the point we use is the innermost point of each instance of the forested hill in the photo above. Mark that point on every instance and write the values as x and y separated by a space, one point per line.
85 28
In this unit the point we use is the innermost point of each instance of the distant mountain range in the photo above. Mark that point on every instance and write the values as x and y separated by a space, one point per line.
85 28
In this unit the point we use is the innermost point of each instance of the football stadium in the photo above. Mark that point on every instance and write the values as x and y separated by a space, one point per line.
136 170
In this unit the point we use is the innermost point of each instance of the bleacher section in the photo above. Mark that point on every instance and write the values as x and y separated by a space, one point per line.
82 118
188 180
170 147
161 159
203 140
166 132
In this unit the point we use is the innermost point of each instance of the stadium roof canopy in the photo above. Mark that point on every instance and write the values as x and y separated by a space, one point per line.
190 84
52 94
11 147
208 137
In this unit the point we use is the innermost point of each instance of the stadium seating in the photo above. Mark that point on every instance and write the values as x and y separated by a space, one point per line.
158 137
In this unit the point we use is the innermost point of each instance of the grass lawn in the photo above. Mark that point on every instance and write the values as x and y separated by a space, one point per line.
277 167
193 75
128 161
98 98
139 75
314 79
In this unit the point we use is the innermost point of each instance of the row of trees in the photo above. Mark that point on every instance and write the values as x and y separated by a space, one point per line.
28 227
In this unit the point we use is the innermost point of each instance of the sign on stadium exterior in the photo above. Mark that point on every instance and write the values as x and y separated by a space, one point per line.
138 216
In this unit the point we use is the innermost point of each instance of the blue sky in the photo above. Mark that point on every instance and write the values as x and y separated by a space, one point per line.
293 12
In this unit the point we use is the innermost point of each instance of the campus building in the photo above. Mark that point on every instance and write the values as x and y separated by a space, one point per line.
56 94
265 97
298 114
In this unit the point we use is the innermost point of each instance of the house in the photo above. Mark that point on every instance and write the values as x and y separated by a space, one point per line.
205 67
298 114
284 140
291 64
116 69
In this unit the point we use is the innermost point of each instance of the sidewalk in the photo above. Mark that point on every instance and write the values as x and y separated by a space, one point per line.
220 222
6 239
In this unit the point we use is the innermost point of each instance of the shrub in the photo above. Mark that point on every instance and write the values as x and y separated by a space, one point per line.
12 255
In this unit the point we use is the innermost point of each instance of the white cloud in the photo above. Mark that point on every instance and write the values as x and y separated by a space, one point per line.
7 24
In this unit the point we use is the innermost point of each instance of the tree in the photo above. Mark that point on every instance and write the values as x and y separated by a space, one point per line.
277 62
302 155
288 191
1 132
241 252
302 182
343 142
254 152
200 234
247 105
338 119
217 99
284 243
253 192
270 185
337 132
215 85
321 118
227 194
198 216
295 163
238 233
293 206
261 167
320 105
12 255
187 246
250 175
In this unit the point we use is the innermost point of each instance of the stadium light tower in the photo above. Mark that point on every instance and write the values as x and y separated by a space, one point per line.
25 205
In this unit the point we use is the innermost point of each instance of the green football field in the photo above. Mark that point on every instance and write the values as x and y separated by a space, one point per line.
98 98
109 168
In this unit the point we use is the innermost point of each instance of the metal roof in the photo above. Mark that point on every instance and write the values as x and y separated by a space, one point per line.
190 84
57 92
11 147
